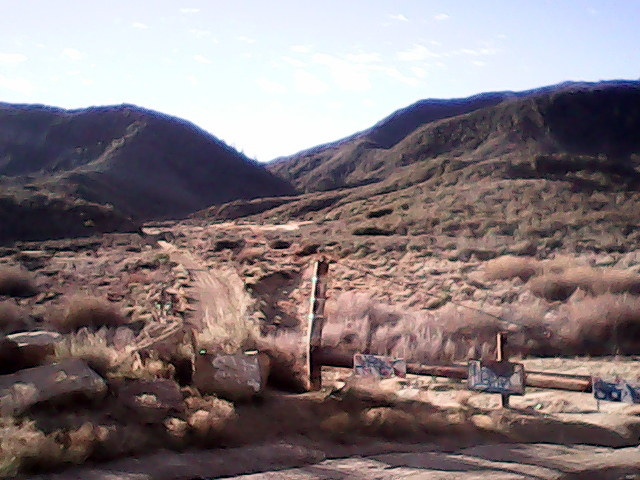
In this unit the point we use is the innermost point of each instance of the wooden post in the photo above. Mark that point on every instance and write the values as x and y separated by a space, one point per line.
316 321
500 354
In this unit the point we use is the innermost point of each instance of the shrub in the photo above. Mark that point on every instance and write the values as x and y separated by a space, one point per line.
96 349
90 312
16 282
552 287
604 325
12 318
508 267
23 446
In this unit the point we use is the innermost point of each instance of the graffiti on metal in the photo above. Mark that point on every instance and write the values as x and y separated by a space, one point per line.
378 366
618 391
496 377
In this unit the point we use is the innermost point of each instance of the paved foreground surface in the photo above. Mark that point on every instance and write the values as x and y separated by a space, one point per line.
289 462
538 461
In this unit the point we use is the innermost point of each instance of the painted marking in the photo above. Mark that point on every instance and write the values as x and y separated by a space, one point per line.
378 366
496 377
618 391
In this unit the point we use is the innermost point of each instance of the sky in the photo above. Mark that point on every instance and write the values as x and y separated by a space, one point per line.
271 78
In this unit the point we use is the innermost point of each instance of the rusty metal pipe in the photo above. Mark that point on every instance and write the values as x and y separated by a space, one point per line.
557 381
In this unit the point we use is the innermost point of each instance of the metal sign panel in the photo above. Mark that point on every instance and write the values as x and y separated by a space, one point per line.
618 391
378 366
496 377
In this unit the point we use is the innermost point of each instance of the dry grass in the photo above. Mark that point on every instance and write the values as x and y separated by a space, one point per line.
226 326
25 448
12 318
508 267
357 323
16 282
552 287
594 281
90 312
96 348
22 445
603 325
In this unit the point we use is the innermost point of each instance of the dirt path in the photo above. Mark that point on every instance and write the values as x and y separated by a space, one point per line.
407 462
218 301
500 462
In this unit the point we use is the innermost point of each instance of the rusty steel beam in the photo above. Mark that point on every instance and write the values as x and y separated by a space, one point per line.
326 357
316 321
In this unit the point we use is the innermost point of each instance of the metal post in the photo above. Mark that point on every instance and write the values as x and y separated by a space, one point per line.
316 321
500 350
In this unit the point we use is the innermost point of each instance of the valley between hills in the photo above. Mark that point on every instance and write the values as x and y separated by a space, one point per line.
132 240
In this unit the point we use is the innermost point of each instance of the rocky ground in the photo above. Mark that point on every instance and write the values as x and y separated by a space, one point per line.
126 304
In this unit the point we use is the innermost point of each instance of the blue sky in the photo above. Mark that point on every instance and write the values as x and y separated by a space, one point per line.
272 78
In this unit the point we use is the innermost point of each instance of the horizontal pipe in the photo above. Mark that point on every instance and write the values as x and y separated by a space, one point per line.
556 381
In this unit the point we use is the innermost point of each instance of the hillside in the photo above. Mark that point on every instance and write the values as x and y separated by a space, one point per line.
552 167
597 120
136 163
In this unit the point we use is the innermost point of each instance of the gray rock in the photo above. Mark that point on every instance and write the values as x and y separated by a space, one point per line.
49 383
238 377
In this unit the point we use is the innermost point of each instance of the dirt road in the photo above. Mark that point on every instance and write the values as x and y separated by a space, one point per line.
400 462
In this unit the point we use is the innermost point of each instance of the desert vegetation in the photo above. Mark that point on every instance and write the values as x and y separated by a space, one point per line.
451 230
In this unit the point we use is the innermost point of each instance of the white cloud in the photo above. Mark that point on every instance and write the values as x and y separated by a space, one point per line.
364 57
193 80
140 26
72 53
8 59
244 39
442 16
592 11
18 85
270 86
501 36
335 105
349 76
200 33
368 102
309 84
202 59
478 63
469 51
419 72
295 62
394 73
189 10
416 53
301 48
489 51
400 17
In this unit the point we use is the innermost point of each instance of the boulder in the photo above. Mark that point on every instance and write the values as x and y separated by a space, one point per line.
151 400
35 347
238 377
10 356
57 382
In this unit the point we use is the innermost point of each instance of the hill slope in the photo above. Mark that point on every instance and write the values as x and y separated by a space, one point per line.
142 162
136 163
556 167
588 119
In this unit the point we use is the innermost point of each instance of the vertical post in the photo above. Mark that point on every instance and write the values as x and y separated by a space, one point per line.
500 357
316 320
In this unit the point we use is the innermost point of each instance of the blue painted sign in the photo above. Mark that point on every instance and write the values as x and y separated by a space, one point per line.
618 391
496 377
378 366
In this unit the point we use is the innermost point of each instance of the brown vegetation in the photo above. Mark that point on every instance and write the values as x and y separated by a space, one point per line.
90 312
16 282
